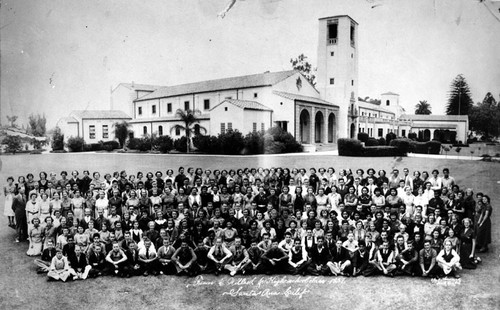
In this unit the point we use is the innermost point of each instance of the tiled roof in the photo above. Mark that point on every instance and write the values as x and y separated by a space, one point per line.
100 114
255 80
390 93
245 105
422 117
68 119
145 87
302 98
372 106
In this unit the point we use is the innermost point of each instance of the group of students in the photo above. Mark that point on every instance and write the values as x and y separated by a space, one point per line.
249 221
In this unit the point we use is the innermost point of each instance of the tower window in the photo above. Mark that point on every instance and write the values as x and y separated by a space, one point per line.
169 108
332 81
186 105
352 55
139 110
153 109
255 95
333 32
206 104
332 53
352 82
225 108
387 102
352 34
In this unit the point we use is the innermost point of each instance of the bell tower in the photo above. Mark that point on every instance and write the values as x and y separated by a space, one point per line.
337 76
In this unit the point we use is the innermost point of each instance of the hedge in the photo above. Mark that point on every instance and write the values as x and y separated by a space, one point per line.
372 142
353 147
350 147
429 147
363 137
402 144
380 151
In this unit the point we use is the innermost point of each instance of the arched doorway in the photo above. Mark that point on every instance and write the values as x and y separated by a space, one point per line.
331 128
305 127
319 127
353 131
427 135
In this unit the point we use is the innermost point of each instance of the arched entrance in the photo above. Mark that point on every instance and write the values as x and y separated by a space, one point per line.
427 135
353 130
305 127
318 127
331 128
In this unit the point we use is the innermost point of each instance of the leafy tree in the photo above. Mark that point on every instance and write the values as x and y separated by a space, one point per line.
303 66
12 120
459 97
189 118
13 143
122 132
485 117
37 125
164 144
57 140
423 107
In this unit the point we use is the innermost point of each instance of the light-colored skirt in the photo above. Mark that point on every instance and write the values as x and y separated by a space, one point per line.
7 211
34 249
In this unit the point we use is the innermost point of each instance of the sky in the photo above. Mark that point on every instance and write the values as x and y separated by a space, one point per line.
64 55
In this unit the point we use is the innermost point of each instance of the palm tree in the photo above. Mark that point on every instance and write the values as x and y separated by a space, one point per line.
188 117
12 120
423 107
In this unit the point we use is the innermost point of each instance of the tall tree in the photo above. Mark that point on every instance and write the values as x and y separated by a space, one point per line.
122 132
423 107
459 97
189 118
12 120
301 64
37 125
485 117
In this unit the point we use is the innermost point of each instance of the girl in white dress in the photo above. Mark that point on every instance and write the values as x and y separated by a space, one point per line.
32 210
56 204
44 207
8 191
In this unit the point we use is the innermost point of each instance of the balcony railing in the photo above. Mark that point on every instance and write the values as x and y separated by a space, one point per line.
332 41
353 113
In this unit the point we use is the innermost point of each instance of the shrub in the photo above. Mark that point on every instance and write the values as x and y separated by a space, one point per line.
112 144
379 151
381 141
363 137
92 147
290 144
372 142
402 144
390 136
231 142
206 144
133 143
254 143
164 144
180 144
434 147
412 136
349 147
145 144
13 143
57 140
75 144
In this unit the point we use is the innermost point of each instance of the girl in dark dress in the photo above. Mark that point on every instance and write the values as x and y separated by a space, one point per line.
469 204
484 226
467 245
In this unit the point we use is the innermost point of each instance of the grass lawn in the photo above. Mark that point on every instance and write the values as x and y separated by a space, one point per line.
22 288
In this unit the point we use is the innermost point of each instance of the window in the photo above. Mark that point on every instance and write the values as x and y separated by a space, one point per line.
352 55
229 126
225 108
153 109
169 108
160 130
255 95
387 102
254 127
145 130
139 110
105 133
352 34
380 132
206 104
92 132
403 132
332 54
186 105
262 127
333 32
177 131
352 82
229 97
222 127
332 81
